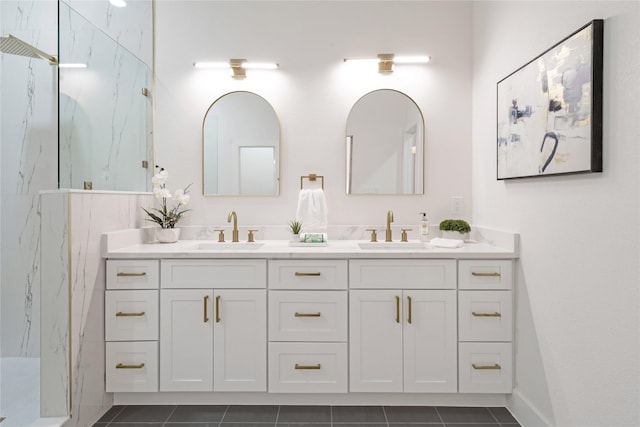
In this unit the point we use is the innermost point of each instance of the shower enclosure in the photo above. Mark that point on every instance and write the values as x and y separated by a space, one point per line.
61 128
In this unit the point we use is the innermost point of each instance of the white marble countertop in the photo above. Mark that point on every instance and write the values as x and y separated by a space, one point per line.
281 249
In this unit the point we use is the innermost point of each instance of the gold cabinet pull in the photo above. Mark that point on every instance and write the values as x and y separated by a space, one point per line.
123 366
303 274
218 309
480 367
473 273
131 274
123 314
409 317
318 314
496 314
206 316
307 367
397 309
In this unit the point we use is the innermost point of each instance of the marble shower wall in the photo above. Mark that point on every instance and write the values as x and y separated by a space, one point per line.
28 164
73 271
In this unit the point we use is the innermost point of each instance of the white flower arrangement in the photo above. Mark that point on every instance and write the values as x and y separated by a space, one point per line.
167 217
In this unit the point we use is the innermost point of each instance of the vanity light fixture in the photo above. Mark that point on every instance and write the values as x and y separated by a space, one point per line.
386 61
238 66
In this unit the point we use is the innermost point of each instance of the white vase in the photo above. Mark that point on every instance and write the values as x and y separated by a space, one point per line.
168 235
454 235
294 238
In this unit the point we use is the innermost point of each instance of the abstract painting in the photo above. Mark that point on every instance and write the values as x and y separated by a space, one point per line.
550 110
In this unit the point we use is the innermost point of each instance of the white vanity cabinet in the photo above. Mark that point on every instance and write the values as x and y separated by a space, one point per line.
402 326
308 327
485 318
131 325
213 334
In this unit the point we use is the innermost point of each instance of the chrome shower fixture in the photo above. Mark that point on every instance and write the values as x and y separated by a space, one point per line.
14 46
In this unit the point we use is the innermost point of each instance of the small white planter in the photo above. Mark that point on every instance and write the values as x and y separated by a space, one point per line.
454 235
168 235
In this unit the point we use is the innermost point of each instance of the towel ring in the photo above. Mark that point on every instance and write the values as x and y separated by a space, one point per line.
312 177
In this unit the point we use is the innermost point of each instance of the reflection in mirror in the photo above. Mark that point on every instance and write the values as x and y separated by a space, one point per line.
240 147
385 145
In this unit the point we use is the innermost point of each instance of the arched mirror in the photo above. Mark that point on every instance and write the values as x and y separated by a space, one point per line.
241 147
385 145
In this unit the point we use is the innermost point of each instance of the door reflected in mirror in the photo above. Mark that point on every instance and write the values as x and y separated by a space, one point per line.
241 147
385 145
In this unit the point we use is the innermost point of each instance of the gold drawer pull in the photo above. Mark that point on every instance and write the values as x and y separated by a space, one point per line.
303 274
123 366
473 273
122 314
308 366
397 309
218 309
479 367
205 305
132 274
410 310
496 314
307 314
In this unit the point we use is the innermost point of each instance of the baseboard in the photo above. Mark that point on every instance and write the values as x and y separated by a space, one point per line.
525 412
50 422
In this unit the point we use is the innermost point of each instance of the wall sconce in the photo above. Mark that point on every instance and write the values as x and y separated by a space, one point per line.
238 66
386 61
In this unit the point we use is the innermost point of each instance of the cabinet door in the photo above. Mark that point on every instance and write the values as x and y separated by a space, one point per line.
430 341
240 340
375 342
186 340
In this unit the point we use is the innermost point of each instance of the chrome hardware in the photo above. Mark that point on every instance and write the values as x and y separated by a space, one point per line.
220 234
485 367
122 314
388 235
123 366
250 238
218 309
374 234
409 319
307 366
318 314
206 316
302 274
397 309
131 274
496 314
485 274
234 216
404 237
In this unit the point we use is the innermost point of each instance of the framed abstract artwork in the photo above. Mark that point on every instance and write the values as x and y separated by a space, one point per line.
550 110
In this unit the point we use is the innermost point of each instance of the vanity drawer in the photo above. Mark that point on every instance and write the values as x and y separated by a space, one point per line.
131 366
308 274
485 316
213 273
307 367
485 274
402 274
485 368
133 274
307 315
131 315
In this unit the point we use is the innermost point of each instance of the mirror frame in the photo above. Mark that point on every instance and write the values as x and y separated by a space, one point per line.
349 149
279 148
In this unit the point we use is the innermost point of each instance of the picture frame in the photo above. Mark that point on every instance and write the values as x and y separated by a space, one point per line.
549 111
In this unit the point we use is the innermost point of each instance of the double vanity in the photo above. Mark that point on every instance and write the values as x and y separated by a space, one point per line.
341 319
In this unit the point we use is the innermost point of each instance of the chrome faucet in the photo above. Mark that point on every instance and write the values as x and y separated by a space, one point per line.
389 221
233 215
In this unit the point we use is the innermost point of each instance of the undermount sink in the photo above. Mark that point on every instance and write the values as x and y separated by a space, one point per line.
229 246
392 245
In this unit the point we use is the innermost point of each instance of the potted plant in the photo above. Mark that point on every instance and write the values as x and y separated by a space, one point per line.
295 226
455 229
167 217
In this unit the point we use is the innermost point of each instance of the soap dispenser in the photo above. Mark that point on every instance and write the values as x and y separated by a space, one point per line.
423 227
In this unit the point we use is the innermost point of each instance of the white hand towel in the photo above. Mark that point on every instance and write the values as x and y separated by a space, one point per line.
312 210
446 243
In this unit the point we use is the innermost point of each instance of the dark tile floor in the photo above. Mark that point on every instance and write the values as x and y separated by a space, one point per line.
309 416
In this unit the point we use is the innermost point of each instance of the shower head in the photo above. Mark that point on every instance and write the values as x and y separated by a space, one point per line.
15 46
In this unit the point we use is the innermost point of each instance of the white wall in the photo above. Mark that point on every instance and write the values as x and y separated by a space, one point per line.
577 357
312 94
